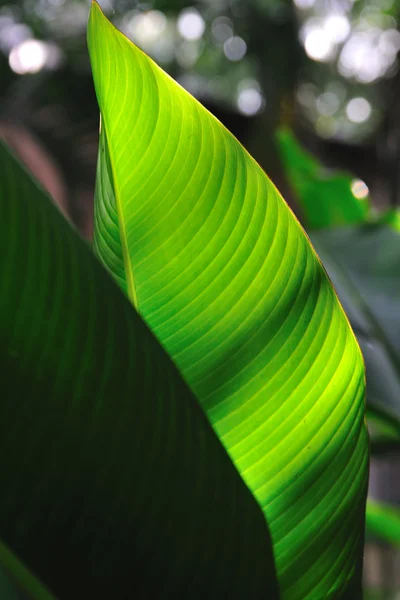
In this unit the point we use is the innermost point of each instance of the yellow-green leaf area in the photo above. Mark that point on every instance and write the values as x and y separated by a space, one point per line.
224 275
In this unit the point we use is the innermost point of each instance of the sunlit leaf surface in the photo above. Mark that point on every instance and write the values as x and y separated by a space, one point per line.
213 259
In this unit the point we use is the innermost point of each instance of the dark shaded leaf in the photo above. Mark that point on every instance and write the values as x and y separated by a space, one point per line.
113 483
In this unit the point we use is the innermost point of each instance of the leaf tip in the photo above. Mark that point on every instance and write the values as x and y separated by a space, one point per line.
95 8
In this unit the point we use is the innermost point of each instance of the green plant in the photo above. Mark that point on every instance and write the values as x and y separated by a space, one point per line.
325 196
109 468
328 198
362 262
121 481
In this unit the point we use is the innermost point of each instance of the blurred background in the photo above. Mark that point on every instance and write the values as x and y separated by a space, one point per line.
310 87
326 68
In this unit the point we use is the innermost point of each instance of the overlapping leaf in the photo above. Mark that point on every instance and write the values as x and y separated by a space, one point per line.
325 196
113 483
383 520
363 264
209 253
392 218
384 428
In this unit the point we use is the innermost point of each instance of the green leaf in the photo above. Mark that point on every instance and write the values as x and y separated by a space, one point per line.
204 246
363 264
325 196
384 423
384 429
383 521
113 483
391 217
7 589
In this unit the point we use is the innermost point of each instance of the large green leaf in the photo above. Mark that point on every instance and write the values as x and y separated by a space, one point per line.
113 483
325 196
204 246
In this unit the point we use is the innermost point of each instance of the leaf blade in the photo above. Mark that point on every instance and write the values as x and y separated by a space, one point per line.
225 276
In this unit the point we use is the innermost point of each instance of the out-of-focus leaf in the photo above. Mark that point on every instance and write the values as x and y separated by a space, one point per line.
325 196
390 217
383 521
208 251
364 266
7 589
383 423
384 429
114 485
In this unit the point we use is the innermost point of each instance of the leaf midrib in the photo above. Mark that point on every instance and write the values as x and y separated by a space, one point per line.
130 279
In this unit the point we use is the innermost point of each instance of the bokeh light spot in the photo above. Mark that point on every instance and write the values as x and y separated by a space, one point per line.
337 27
222 28
31 56
318 45
328 103
191 24
146 28
250 101
358 110
235 48
304 4
359 189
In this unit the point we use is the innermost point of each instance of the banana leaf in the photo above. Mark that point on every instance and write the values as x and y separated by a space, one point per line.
207 251
114 484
